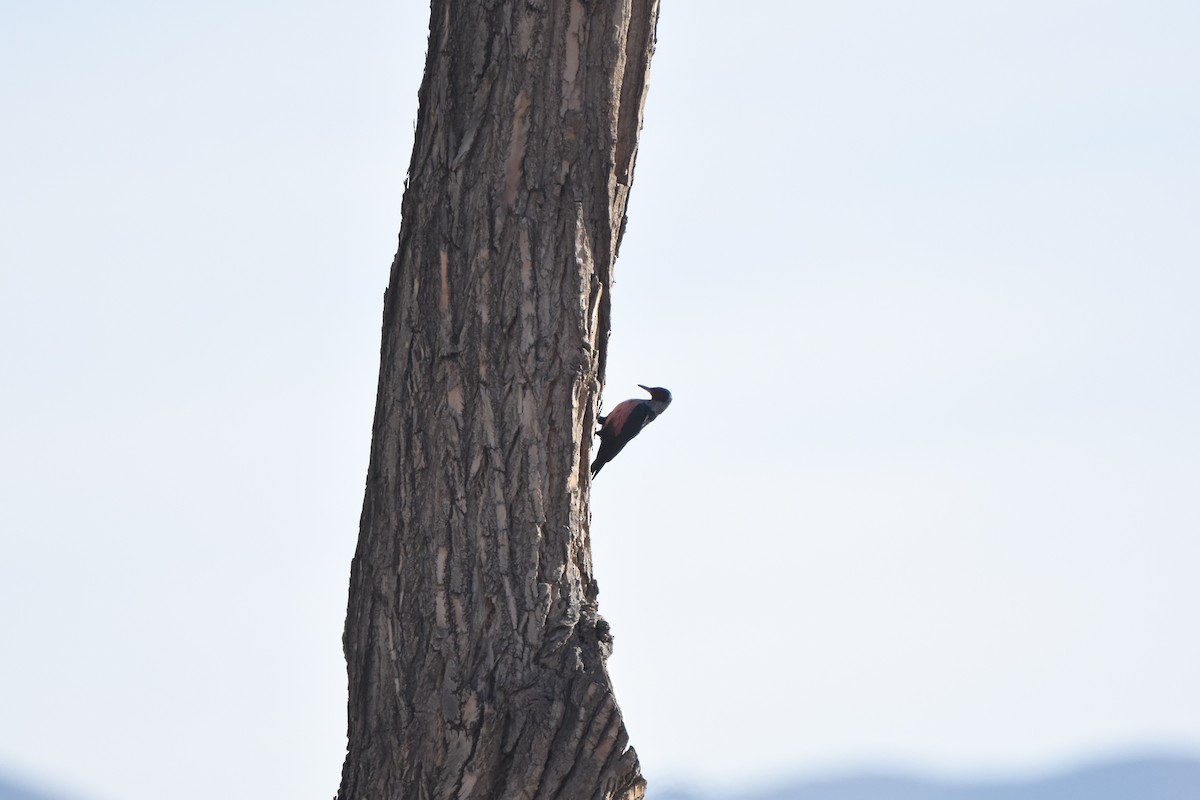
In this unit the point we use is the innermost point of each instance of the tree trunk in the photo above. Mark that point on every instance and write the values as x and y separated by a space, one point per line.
475 653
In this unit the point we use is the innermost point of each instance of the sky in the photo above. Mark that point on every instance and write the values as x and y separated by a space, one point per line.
924 279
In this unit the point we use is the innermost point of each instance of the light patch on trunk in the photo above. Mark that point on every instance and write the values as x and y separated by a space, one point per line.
510 600
480 267
470 710
516 147
460 614
572 92
583 252
440 606
525 34
501 522
444 297
455 398
528 312
527 409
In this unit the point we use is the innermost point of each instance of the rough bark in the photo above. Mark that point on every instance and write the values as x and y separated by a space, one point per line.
475 652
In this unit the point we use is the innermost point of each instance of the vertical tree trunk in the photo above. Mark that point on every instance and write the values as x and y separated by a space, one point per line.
476 656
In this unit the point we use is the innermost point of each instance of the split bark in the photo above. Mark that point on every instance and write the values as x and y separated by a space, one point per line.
475 653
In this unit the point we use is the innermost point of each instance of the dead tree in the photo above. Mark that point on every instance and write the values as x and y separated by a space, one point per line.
475 653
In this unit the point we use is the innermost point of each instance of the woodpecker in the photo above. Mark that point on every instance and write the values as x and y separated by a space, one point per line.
626 421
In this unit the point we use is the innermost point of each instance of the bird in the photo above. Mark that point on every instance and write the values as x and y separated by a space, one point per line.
626 421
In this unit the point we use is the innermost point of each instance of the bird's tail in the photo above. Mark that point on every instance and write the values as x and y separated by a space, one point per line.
596 466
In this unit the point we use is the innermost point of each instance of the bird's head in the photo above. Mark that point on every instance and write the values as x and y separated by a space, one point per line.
658 394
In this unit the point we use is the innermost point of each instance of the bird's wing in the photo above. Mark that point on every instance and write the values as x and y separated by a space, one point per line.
618 418
637 418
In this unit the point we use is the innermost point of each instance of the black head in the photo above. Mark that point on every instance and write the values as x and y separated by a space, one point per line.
657 393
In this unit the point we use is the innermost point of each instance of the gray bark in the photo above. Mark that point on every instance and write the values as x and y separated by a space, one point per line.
475 653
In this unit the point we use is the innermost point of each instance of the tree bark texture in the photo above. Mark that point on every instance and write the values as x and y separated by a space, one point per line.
475 652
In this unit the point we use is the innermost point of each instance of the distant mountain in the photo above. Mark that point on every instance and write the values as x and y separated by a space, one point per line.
10 790
1133 779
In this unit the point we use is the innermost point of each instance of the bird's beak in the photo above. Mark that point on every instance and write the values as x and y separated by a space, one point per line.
647 388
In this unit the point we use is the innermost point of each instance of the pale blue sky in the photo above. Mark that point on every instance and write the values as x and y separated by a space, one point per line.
924 279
